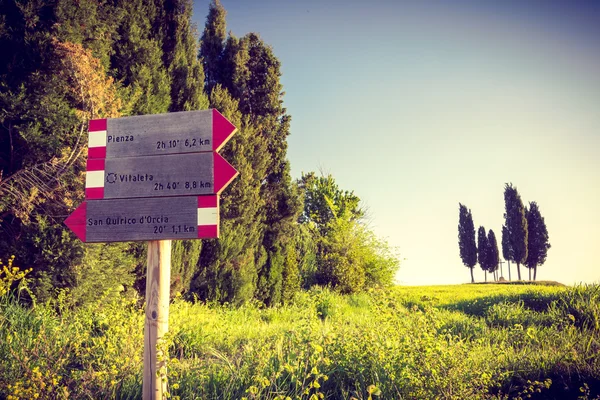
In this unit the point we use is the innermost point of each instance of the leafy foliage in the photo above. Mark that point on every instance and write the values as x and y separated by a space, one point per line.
324 201
43 138
349 256
67 62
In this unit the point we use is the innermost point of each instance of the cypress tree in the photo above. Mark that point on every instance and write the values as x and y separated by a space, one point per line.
493 258
466 239
212 42
227 267
180 57
150 58
482 250
537 243
249 71
506 250
261 97
138 58
282 207
516 225
180 50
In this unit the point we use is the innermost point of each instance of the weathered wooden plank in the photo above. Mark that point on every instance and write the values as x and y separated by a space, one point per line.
158 279
169 175
159 134
124 220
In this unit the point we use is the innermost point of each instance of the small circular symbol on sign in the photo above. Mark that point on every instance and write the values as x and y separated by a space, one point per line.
111 177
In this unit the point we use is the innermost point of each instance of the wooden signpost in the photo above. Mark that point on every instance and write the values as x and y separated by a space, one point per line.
154 178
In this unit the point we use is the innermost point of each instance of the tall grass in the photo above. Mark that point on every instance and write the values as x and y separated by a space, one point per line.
462 342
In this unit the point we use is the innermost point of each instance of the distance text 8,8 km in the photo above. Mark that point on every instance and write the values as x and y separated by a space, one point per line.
191 185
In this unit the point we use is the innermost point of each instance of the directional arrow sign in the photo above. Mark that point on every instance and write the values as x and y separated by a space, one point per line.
189 217
145 135
170 175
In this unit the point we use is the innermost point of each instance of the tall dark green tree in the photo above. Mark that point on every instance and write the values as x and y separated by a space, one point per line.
212 44
466 239
137 58
516 225
482 250
538 239
506 250
250 72
493 257
227 268
180 55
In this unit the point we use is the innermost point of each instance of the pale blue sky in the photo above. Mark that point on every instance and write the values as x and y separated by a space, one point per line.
420 105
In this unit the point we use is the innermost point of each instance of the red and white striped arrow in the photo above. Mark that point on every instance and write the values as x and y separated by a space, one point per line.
109 178
161 218
159 134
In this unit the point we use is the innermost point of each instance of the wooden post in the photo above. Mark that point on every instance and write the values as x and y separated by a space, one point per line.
158 279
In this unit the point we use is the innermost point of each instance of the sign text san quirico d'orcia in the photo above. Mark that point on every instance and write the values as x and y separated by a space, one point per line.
161 218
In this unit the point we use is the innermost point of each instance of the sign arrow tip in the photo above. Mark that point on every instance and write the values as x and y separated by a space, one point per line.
222 130
76 221
224 173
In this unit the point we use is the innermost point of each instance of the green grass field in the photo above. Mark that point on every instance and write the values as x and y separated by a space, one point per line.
460 342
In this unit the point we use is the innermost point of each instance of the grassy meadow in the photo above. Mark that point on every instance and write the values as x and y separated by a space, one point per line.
455 342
